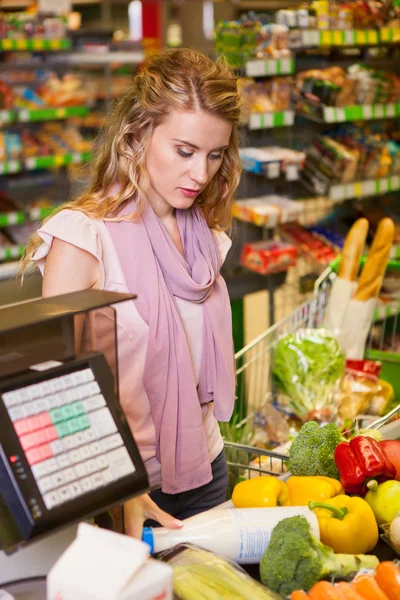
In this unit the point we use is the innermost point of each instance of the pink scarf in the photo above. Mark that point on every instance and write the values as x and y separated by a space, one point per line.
156 272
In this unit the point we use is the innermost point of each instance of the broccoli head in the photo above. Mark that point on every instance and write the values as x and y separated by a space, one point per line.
312 451
295 560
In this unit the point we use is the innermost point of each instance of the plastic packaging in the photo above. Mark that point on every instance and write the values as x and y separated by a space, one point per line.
199 573
239 534
308 366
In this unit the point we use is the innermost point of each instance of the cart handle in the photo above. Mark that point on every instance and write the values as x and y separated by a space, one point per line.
392 265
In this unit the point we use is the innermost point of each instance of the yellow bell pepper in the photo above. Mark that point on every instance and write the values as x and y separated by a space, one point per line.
347 524
262 491
303 490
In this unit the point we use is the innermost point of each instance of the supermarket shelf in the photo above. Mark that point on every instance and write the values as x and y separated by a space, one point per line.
270 120
38 213
11 252
384 310
354 37
42 114
6 116
43 162
390 35
51 114
103 58
269 66
12 218
34 44
363 189
331 114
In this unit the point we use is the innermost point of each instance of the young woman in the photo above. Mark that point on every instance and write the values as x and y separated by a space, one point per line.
152 223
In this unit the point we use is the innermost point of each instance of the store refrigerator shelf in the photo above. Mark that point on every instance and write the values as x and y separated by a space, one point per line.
34 44
269 66
270 120
10 252
12 218
351 37
8 269
332 114
363 189
51 114
9 167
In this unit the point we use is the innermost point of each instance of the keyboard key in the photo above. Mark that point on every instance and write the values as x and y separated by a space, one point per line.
102 422
67 412
98 480
91 466
33 456
80 438
30 409
120 462
44 419
57 385
101 462
108 476
52 465
58 446
54 401
28 441
87 375
69 474
78 409
64 494
63 460
88 435
74 456
95 449
51 499
76 489
94 402
10 399
80 470
86 484
84 422
23 426
39 470
94 388
111 442
58 479
45 484
63 429
85 452
74 425
50 434
34 391
16 413
45 452
57 415
42 405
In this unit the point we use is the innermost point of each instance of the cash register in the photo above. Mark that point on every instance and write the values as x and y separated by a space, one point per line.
66 451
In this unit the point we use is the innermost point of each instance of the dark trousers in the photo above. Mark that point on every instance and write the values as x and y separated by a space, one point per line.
190 503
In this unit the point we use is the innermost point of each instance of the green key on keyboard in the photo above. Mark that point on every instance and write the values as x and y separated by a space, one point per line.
78 409
84 422
63 429
56 415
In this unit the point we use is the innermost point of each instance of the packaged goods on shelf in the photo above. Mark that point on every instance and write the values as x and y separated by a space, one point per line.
269 96
359 85
273 161
267 257
351 155
314 247
267 211
28 24
241 40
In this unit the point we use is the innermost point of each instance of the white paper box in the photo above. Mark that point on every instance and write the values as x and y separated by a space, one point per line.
103 565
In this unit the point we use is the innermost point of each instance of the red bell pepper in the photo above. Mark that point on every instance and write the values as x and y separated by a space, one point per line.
360 461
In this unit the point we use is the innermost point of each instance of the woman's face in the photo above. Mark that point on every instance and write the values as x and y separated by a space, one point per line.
184 154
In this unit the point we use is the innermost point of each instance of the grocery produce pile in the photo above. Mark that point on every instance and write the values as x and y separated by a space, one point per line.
353 486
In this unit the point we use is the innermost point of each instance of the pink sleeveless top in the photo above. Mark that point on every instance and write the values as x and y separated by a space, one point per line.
76 228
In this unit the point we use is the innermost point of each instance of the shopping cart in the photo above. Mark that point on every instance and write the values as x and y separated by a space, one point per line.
255 384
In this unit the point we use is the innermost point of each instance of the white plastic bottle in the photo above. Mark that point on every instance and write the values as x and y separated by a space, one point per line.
239 534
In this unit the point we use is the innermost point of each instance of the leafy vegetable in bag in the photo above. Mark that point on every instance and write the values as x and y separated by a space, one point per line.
307 367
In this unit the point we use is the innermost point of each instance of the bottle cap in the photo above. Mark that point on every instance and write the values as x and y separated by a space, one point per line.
148 538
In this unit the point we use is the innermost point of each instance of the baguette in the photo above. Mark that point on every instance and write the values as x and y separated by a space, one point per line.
352 250
371 278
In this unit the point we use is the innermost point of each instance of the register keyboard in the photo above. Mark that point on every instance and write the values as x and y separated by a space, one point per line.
70 440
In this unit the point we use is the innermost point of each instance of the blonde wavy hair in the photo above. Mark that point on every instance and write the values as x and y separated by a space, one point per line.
179 79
